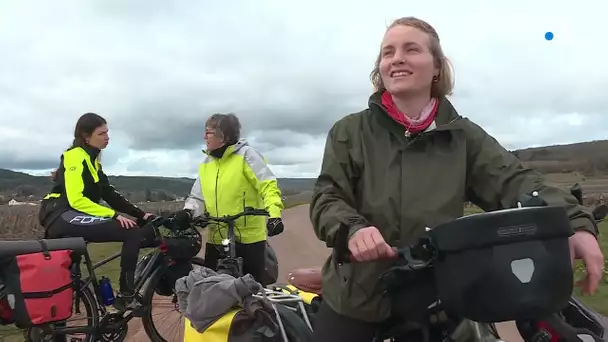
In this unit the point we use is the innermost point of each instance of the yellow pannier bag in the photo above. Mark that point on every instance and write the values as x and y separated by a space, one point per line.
219 331
307 297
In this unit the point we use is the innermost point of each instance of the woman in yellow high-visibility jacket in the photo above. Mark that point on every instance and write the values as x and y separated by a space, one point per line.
233 175
72 207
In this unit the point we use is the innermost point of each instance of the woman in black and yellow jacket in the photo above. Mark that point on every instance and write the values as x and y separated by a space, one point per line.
72 208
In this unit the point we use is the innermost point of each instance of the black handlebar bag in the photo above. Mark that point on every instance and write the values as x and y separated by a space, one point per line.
504 265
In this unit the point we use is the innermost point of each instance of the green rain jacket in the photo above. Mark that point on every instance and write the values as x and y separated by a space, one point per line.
372 174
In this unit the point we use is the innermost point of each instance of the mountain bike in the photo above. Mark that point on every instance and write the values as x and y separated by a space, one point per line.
290 313
105 323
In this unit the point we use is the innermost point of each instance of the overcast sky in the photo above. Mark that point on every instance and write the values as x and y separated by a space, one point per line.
156 69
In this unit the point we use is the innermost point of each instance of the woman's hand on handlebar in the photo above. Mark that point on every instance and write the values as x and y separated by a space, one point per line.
367 244
126 223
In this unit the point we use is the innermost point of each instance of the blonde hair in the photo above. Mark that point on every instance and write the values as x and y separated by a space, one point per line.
444 84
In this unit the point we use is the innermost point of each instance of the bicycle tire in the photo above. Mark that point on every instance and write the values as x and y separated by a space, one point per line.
149 292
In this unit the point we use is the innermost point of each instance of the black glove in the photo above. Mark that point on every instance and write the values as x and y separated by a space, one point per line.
181 219
275 226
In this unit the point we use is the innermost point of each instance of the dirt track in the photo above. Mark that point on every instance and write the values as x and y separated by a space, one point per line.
296 247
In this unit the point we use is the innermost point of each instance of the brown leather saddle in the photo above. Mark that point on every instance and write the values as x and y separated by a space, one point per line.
306 279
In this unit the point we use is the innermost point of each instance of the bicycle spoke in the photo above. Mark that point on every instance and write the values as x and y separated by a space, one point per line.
168 321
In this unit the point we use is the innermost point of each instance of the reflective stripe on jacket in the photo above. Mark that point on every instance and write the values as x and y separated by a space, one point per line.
225 186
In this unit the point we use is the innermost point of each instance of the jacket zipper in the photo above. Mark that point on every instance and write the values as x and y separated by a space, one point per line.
244 217
217 177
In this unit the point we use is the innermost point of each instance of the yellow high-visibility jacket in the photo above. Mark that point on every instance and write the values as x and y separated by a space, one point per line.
225 186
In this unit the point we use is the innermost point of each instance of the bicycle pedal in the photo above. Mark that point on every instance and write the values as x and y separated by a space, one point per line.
111 310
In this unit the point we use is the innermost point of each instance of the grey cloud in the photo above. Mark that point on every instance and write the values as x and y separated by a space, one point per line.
157 69
280 138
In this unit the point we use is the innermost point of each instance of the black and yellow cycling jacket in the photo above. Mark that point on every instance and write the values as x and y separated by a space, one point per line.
80 184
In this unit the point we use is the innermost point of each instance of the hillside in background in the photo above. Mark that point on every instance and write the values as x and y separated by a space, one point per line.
588 159
21 186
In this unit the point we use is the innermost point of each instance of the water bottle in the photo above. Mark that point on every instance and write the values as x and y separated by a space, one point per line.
107 294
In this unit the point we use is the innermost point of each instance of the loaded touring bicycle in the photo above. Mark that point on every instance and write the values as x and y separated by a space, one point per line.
43 294
528 279
289 319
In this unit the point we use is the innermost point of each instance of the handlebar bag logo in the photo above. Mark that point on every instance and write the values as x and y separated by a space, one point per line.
528 229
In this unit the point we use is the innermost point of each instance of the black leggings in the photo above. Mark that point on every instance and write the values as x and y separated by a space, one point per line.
330 326
100 229
253 254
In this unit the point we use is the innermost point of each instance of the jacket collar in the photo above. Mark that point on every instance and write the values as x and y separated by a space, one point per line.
228 150
91 151
446 115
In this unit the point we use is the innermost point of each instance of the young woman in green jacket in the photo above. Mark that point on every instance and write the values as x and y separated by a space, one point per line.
406 162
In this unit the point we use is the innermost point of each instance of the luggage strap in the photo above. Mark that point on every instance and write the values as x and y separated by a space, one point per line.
45 294
45 249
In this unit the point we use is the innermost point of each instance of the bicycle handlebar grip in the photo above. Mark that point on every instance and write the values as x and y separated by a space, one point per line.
347 257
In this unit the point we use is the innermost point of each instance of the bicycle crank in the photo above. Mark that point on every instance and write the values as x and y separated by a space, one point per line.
118 333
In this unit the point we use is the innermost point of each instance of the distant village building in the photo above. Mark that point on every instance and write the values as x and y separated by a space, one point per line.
14 202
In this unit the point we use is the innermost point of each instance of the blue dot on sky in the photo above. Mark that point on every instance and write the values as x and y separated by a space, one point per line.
549 35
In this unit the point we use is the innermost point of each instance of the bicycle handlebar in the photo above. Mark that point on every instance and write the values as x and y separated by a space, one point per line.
419 254
156 221
249 211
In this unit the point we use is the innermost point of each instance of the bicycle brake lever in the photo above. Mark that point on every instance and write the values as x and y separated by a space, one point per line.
412 262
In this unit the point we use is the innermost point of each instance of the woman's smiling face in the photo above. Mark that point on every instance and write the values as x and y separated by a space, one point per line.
407 64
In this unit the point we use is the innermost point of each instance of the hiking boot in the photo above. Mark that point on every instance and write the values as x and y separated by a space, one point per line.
126 298
127 302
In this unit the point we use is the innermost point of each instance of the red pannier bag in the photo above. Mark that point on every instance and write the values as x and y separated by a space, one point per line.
38 281
6 312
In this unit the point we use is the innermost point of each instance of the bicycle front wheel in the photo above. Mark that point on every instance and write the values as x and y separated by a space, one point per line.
162 322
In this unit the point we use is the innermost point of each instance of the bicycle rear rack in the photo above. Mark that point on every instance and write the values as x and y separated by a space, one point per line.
279 297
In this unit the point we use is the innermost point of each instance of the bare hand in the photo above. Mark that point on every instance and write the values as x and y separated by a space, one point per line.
367 244
147 215
583 245
126 223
